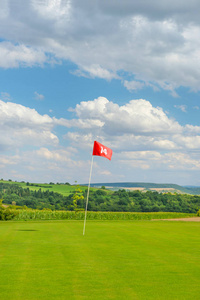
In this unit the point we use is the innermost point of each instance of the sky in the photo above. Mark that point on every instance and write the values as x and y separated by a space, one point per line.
124 73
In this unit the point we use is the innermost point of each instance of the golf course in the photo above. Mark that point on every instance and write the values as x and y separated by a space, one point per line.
117 259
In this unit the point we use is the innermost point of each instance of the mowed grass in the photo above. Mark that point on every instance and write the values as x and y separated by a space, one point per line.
114 260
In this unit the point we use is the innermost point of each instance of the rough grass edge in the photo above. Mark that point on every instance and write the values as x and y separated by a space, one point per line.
29 214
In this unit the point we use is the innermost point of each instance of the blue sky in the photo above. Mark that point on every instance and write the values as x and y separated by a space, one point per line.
123 73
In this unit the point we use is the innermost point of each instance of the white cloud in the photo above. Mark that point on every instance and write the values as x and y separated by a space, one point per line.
43 165
156 161
136 117
191 130
181 161
145 155
182 107
133 85
142 137
84 124
60 155
188 142
13 56
20 126
79 140
136 125
94 71
156 43
16 115
38 96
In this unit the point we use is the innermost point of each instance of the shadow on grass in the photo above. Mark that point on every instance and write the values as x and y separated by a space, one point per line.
27 230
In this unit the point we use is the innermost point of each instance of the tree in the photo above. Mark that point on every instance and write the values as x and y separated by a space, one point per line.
78 195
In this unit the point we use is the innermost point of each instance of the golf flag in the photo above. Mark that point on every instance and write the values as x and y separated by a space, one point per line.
101 150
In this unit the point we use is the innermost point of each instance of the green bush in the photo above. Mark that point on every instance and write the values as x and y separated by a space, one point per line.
7 213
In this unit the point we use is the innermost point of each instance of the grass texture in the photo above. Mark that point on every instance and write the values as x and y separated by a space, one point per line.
35 214
114 260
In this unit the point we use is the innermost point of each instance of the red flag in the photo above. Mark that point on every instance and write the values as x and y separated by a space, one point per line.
101 150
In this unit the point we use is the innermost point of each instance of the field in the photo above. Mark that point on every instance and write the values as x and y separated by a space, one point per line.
63 189
114 260
56 188
35 214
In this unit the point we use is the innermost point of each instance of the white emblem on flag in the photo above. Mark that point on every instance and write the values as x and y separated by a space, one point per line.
104 151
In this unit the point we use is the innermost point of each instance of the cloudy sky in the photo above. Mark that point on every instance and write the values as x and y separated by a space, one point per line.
124 73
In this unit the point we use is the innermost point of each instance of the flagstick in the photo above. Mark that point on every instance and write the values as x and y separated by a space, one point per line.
87 197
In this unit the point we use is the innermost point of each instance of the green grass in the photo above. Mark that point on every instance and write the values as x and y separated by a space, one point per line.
114 260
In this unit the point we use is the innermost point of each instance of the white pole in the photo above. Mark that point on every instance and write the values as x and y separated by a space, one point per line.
87 196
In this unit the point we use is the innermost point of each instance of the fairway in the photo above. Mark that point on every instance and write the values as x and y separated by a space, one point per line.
114 260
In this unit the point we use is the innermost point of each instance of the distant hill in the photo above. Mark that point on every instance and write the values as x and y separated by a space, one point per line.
147 186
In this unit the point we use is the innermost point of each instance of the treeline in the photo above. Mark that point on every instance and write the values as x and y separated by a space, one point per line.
137 201
37 199
100 200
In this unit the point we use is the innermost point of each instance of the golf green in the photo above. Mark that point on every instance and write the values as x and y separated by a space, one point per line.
114 260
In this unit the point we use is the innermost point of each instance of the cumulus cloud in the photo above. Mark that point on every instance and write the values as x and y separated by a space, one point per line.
155 42
15 115
142 137
136 117
188 142
20 126
136 125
